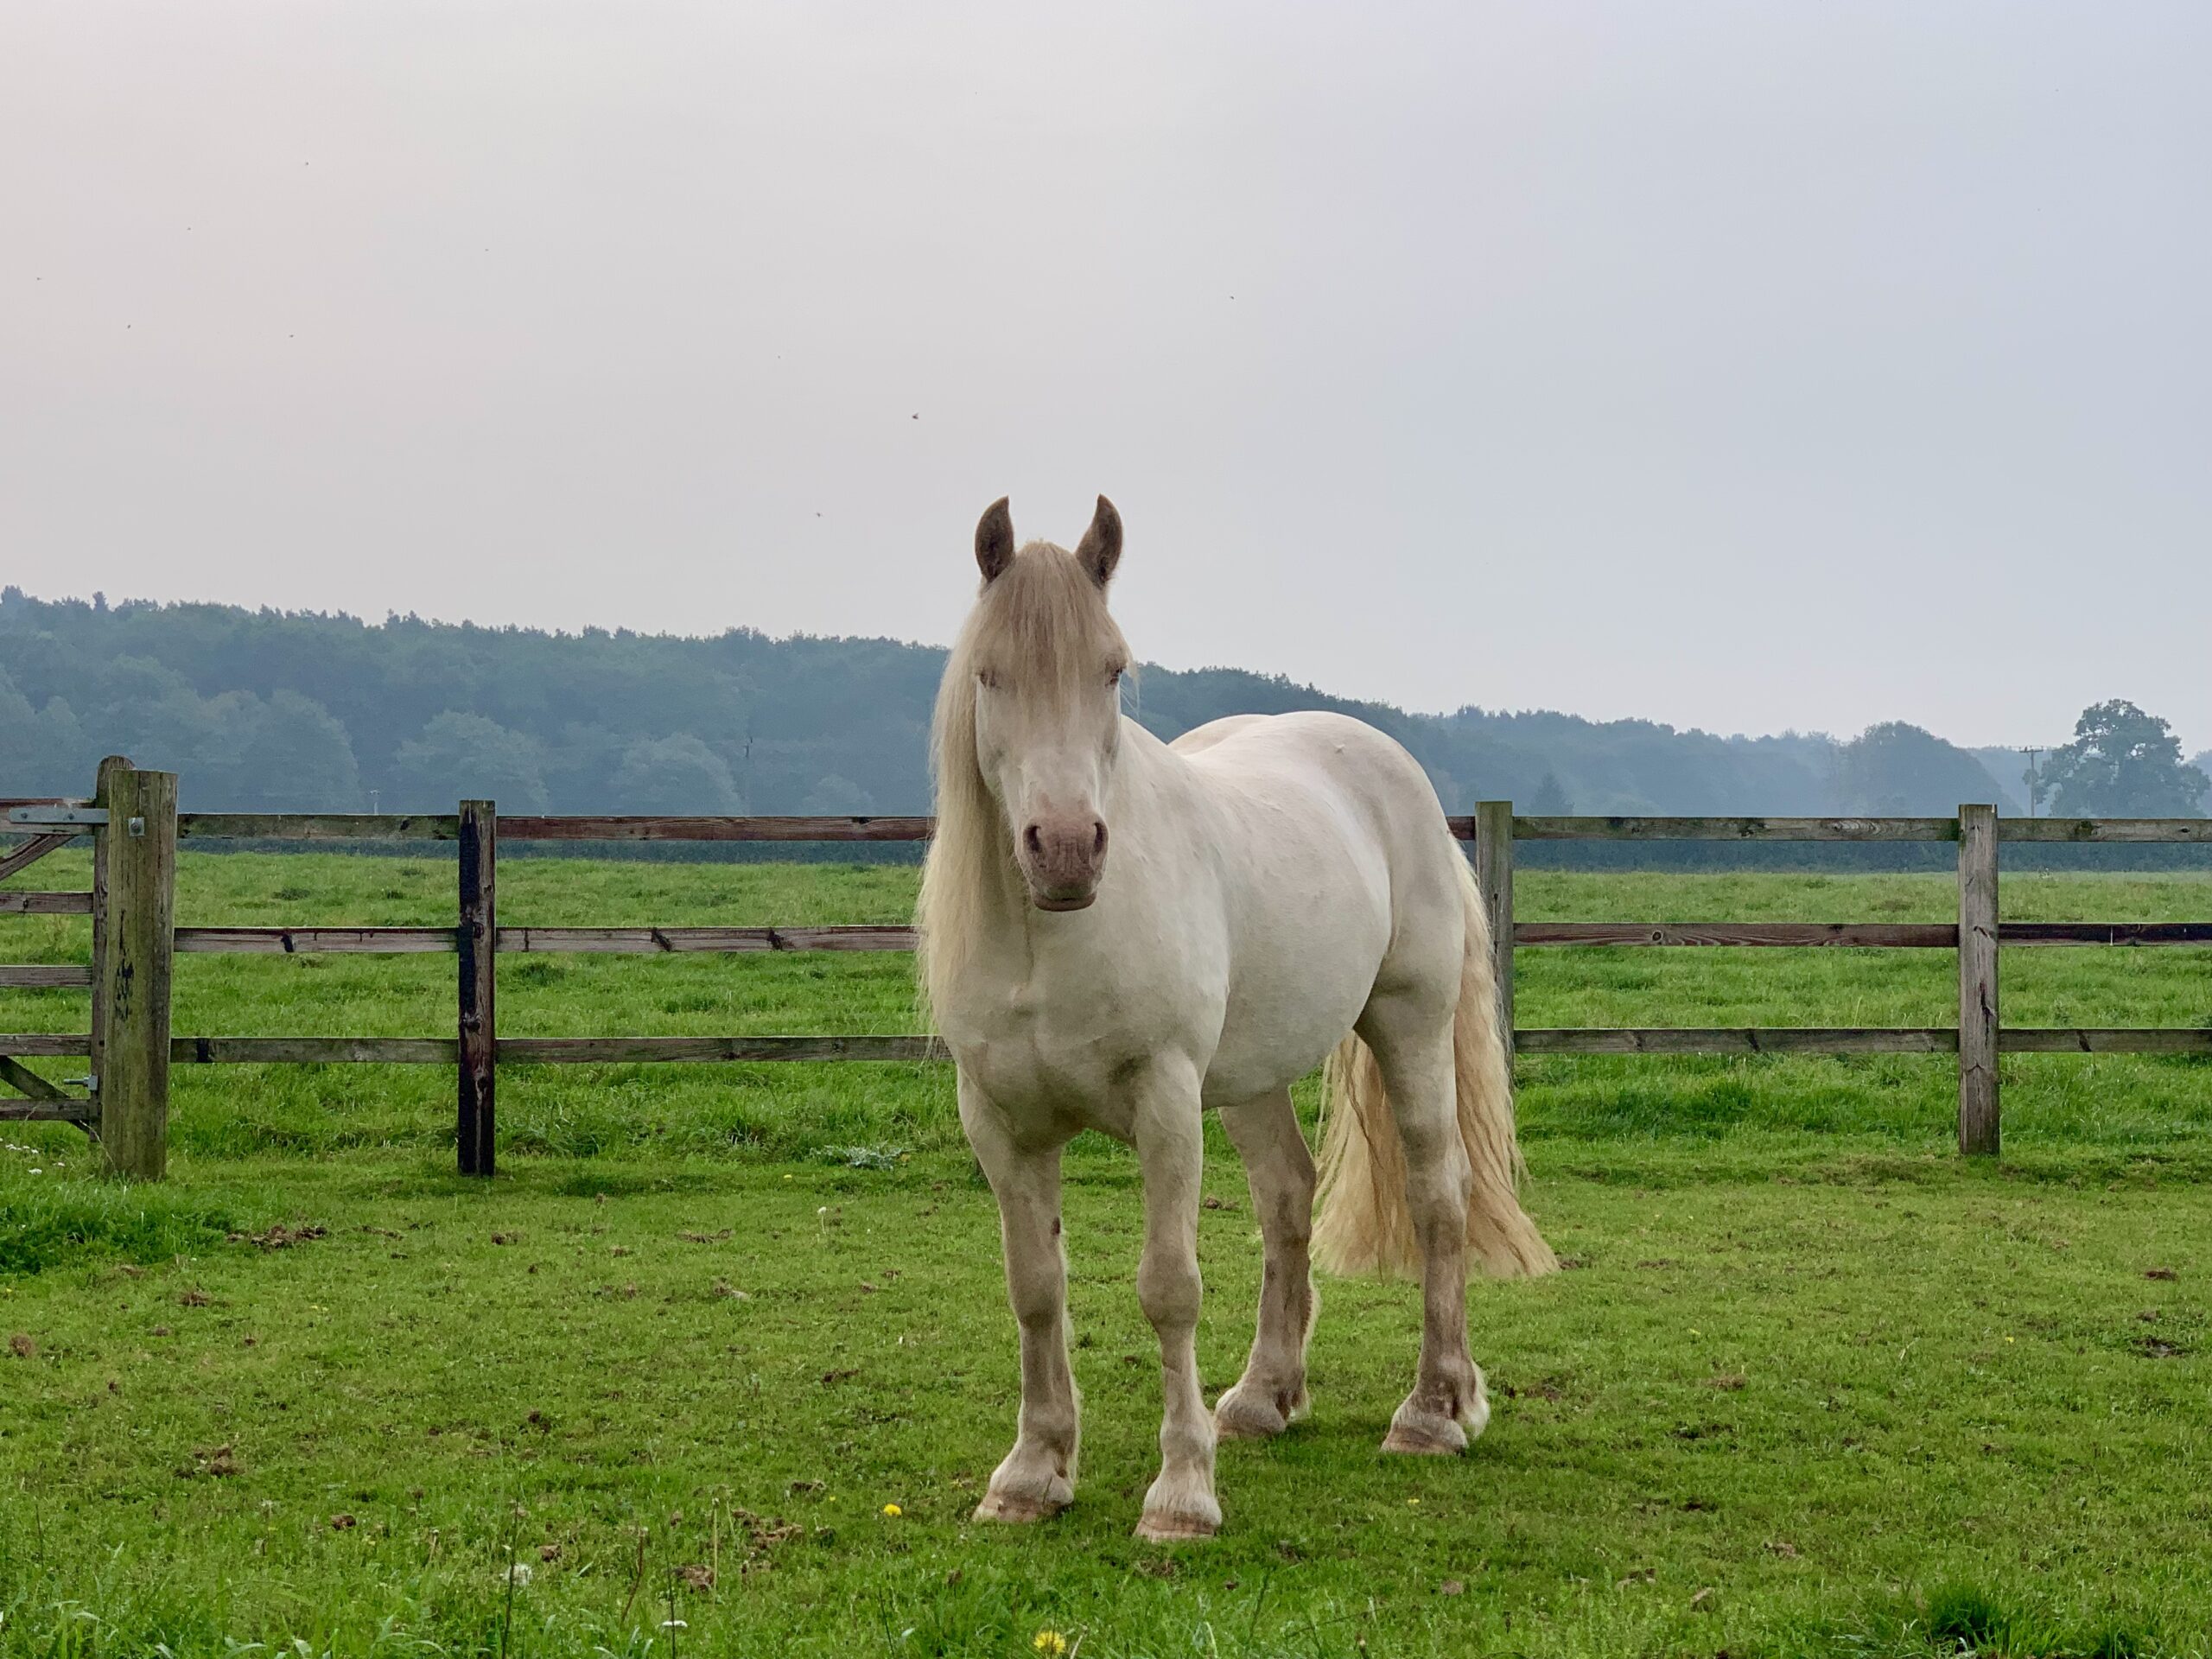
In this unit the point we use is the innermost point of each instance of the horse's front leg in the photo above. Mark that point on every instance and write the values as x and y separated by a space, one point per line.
1169 1144
1037 1477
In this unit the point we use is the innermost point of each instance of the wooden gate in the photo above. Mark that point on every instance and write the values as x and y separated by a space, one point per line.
132 821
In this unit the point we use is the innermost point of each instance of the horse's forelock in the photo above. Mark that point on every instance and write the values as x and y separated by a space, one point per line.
1043 622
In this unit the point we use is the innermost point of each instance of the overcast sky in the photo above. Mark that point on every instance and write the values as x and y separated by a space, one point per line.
1748 367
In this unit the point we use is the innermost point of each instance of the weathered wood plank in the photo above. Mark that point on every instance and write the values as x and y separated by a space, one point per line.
613 941
478 939
31 852
46 1045
318 826
313 1051
1596 1040
46 904
636 941
2114 831
2122 933
650 941
79 1112
1752 1040
548 1051
1494 884
1869 935
1654 828
290 941
138 849
44 975
629 828
1978 1130
2110 1040
27 1083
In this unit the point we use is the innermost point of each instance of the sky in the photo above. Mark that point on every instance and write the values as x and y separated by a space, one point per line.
1747 367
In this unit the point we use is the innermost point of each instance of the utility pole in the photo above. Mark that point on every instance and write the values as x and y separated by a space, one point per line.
2033 777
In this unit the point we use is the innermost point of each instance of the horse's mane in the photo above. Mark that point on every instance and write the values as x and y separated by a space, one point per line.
1042 625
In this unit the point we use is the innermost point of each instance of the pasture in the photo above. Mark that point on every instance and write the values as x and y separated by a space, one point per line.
1813 1384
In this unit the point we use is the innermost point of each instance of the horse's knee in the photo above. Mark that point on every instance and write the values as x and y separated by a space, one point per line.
1169 1291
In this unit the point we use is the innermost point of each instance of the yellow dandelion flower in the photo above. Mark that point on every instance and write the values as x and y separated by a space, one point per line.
1050 1642
892 1510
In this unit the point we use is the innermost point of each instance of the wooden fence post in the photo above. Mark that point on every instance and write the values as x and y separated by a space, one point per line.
479 945
134 921
1494 877
109 765
1978 1020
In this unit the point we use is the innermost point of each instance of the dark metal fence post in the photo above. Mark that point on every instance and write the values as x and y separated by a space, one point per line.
1494 876
1977 1020
479 945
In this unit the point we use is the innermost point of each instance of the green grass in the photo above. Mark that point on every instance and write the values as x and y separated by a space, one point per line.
1813 1387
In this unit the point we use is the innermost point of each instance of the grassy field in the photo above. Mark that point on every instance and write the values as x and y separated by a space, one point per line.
1811 1386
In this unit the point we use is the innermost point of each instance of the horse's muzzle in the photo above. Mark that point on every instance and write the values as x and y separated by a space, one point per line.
1062 859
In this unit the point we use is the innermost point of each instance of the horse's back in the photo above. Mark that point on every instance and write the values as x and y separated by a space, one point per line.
1313 757
1339 862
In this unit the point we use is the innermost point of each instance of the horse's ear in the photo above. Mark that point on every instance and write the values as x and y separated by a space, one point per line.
1100 550
995 540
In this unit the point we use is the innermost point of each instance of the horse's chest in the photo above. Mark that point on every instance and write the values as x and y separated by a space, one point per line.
1025 1055
1072 1047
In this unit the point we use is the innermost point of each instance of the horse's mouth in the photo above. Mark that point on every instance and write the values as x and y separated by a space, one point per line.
1061 903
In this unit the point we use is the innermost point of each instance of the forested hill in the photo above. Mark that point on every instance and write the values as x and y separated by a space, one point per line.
271 711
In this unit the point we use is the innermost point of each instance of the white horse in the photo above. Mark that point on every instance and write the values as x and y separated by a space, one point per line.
1119 934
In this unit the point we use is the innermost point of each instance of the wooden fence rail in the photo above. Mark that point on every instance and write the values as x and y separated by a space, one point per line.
135 828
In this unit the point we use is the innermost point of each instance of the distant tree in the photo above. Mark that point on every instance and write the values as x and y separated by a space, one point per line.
2123 763
836 797
2203 764
300 759
1550 800
1896 770
467 757
677 774
41 750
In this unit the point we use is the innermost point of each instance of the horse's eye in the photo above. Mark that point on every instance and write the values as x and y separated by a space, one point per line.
984 676
1113 676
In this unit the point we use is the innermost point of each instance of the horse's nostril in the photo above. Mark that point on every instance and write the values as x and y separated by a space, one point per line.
1098 838
1033 842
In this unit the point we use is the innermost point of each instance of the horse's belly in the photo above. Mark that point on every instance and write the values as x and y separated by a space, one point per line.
1289 1008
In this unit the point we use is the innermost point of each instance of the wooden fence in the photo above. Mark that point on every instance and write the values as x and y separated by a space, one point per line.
136 827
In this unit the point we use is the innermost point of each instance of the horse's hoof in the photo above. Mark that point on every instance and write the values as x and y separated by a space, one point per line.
1245 1414
1441 1438
1419 1432
1016 1508
1176 1526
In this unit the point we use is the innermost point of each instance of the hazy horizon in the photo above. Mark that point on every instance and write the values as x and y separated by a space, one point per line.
1746 369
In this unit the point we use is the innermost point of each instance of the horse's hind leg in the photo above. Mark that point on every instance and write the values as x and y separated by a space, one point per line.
1411 1035
1271 1394
1037 1477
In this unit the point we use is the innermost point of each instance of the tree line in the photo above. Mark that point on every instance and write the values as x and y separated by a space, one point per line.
262 710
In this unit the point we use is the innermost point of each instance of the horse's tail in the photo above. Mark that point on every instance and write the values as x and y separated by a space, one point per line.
1364 1224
